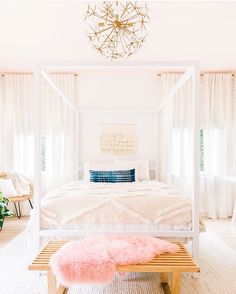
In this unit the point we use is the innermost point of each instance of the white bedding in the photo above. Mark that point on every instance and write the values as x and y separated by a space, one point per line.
147 205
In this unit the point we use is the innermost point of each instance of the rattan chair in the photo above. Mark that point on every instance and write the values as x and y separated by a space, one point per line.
18 199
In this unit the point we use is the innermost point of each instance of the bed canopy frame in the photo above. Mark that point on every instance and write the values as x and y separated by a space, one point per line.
191 70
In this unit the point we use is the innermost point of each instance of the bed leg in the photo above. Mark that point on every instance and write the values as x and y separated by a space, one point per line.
195 248
37 242
195 253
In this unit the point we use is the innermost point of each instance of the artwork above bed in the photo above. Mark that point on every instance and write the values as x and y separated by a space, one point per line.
118 139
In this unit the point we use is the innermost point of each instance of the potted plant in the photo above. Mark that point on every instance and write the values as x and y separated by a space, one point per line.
4 211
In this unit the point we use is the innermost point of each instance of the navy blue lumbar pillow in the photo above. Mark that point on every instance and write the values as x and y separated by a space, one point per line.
114 176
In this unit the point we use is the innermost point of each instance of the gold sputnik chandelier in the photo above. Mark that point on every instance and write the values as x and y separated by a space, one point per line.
117 29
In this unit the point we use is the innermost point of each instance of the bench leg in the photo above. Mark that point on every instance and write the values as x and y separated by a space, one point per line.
164 283
52 283
62 290
175 287
164 278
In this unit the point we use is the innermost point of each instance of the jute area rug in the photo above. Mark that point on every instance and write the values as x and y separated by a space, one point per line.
217 261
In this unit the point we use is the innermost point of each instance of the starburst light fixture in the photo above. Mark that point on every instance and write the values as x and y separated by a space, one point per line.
117 29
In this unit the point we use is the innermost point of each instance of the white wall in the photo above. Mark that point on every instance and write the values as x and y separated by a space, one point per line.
119 89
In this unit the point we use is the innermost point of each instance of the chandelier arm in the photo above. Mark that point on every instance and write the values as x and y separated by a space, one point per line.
107 37
135 7
109 20
131 34
121 41
131 39
95 35
129 18
124 39
113 49
99 32
108 7
127 25
103 17
124 9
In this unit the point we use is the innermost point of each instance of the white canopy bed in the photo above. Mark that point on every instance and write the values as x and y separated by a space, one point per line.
146 192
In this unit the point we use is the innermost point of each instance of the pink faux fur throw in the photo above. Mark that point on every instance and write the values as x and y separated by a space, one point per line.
94 259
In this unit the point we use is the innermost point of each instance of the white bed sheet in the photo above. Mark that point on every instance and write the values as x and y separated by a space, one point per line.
146 205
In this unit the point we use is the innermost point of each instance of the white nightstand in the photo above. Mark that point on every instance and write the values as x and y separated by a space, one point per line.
232 180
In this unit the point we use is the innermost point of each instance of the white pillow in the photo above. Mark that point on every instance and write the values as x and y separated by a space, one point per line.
108 166
142 166
7 188
95 166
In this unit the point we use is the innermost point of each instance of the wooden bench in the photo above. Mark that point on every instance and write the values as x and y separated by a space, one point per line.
176 264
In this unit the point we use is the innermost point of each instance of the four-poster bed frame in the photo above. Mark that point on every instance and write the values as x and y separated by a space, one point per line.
191 71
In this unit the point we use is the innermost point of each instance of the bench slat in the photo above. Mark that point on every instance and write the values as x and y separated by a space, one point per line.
178 262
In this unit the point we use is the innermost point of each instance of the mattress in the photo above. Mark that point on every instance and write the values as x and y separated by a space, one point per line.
146 205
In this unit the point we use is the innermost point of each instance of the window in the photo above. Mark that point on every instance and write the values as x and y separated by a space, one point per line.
43 153
202 138
181 152
23 153
49 153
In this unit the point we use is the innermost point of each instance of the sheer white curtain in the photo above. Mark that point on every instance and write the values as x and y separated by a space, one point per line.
176 134
16 131
218 123
58 128
16 126
58 132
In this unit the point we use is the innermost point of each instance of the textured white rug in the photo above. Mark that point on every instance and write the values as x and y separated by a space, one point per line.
217 261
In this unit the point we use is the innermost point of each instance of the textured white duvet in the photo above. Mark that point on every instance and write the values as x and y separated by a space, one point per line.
144 205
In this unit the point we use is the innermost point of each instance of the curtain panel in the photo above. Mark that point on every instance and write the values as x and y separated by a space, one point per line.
218 133
175 140
16 106
58 148
218 124
58 132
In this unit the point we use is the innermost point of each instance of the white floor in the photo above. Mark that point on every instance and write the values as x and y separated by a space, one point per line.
224 230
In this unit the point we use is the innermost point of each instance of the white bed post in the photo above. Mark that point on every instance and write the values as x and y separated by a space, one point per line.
37 157
156 144
196 162
77 146
77 130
